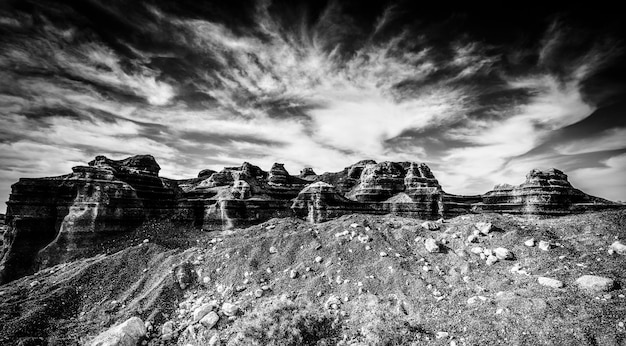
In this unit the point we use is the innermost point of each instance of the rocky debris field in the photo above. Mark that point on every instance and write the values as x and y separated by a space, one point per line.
355 280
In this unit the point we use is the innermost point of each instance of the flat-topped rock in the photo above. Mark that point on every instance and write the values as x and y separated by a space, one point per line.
543 193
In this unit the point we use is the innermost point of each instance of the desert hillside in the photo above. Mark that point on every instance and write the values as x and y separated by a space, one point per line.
355 280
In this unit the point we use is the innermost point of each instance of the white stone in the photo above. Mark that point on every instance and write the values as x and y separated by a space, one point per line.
484 227
503 254
431 245
441 335
210 320
477 250
530 242
127 333
472 238
318 259
619 247
273 250
492 260
595 283
430 225
554 283
167 328
544 245
230 309
202 311
293 273
214 340
383 254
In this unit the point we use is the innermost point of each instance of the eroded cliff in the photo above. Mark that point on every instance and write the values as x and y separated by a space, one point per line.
53 220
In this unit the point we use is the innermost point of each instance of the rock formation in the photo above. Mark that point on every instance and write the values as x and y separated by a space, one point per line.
543 193
52 220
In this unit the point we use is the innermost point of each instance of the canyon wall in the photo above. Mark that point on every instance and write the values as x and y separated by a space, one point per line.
56 219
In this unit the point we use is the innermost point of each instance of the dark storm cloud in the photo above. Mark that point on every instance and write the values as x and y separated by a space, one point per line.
481 96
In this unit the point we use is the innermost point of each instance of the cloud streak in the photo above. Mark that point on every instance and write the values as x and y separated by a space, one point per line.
322 88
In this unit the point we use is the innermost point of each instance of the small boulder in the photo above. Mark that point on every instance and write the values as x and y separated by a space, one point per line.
593 283
503 254
477 250
484 227
184 275
273 250
530 242
430 225
544 245
210 320
167 328
431 245
293 274
619 248
201 311
492 260
127 333
554 283
230 309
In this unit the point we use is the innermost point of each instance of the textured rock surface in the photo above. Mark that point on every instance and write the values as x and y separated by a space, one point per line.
127 333
543 193
53 220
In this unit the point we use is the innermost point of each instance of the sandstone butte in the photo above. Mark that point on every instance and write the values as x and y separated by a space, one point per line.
56 219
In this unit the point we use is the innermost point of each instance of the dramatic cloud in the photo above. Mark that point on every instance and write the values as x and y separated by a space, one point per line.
320 85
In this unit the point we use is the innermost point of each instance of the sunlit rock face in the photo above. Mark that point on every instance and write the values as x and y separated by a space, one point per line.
53 220
543 193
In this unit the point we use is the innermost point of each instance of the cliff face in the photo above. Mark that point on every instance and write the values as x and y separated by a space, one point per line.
53 220
543 193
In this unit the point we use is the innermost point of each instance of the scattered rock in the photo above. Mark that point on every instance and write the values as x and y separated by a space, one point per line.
473 238
258 293
492 260
273 250
214 340
383 254
441 335
167 327
618 247
127 333
484 227
544 245
477 250
593 283
200 312
230 309
431 245
545 281
430 225
293 273
318 259
210 320
504 254
530 242
184 275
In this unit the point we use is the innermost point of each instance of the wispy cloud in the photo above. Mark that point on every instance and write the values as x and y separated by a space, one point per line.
323 90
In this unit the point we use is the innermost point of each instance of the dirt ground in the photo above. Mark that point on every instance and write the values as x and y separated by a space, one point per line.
356 280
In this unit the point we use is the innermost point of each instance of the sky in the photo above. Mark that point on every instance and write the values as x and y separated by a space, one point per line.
482 97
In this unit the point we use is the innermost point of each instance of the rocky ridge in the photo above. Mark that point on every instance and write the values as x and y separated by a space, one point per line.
354 280
57 219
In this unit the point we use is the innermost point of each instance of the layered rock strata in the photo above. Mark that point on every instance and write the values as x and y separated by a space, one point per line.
543 193
52 220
